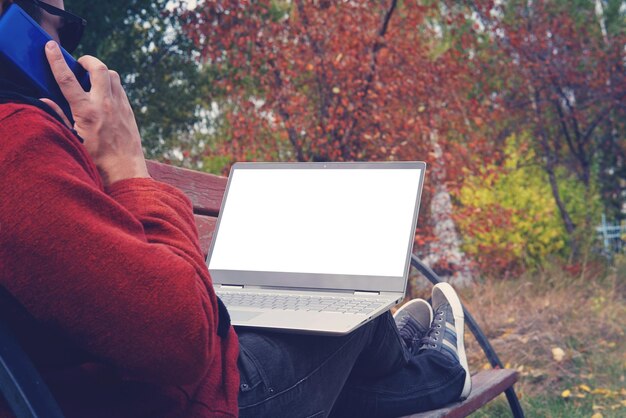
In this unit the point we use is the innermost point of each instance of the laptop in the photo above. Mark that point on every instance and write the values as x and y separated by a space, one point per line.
318 248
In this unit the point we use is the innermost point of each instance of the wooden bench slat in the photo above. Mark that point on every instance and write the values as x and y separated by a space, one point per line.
486 385
203 189
206 226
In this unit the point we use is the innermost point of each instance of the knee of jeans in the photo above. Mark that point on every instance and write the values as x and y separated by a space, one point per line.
385 353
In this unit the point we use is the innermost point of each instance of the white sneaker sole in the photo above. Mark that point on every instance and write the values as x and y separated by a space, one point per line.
459 325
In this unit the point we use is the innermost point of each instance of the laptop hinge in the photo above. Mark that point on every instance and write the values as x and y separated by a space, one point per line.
231 286
361 292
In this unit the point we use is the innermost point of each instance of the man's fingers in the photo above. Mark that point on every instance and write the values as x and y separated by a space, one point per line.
116 84
70 87
98 74
59 111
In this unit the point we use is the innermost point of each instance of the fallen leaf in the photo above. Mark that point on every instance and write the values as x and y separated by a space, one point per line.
601 391
584 387
566 393
558 354
597 415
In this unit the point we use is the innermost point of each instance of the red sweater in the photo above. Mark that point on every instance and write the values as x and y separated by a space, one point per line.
107 290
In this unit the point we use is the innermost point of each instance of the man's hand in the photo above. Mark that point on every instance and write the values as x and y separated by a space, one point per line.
103 117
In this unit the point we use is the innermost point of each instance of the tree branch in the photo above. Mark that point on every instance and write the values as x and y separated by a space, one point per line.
321 81
291 132
382 31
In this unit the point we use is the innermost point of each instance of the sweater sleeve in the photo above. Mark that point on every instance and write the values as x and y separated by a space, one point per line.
121 274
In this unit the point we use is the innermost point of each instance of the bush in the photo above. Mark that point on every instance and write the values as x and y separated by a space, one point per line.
507 214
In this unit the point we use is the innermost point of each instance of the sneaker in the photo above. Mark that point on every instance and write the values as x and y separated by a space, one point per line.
446 332
413 321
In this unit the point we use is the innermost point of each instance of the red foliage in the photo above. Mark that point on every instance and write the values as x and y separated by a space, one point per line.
338 80
341 81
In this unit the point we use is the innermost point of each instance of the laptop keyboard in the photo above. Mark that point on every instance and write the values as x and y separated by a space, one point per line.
299 303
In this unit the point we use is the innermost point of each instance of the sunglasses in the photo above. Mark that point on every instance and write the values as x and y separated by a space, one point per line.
72 27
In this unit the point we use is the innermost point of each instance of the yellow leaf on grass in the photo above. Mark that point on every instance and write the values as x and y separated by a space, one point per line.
597 415
580 395
601 391
566 393
623 402
558 354
507 332
584 387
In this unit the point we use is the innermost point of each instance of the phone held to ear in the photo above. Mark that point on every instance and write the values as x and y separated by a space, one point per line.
22 43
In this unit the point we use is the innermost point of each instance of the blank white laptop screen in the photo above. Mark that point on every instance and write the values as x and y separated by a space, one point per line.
325 221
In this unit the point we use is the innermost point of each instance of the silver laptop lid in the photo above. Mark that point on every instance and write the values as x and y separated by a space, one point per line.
341 226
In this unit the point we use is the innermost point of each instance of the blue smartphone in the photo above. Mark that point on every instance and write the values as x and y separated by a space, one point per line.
22 43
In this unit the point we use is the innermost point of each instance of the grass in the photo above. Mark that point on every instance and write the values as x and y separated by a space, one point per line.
564 333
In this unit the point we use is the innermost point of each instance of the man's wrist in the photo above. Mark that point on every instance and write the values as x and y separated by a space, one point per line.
134 169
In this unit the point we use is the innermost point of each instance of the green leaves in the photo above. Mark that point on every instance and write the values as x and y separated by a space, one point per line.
144 41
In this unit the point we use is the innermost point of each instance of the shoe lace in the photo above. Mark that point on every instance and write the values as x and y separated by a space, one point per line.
407 328
431 338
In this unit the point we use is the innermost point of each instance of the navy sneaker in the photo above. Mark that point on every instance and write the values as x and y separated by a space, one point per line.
446 331
413 320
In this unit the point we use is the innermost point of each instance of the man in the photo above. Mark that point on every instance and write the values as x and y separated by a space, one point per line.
104 283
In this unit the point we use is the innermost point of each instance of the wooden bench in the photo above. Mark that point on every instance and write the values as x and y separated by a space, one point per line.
29 397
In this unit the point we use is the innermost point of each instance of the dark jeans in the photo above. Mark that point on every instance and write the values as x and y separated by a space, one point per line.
368 373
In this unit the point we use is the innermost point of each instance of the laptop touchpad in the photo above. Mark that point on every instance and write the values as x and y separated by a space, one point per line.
242 316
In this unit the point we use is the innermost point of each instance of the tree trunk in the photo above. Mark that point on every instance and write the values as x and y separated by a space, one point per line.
550 159
445 256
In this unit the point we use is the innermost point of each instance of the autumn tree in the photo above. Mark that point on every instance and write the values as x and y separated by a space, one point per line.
564 81
339 81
